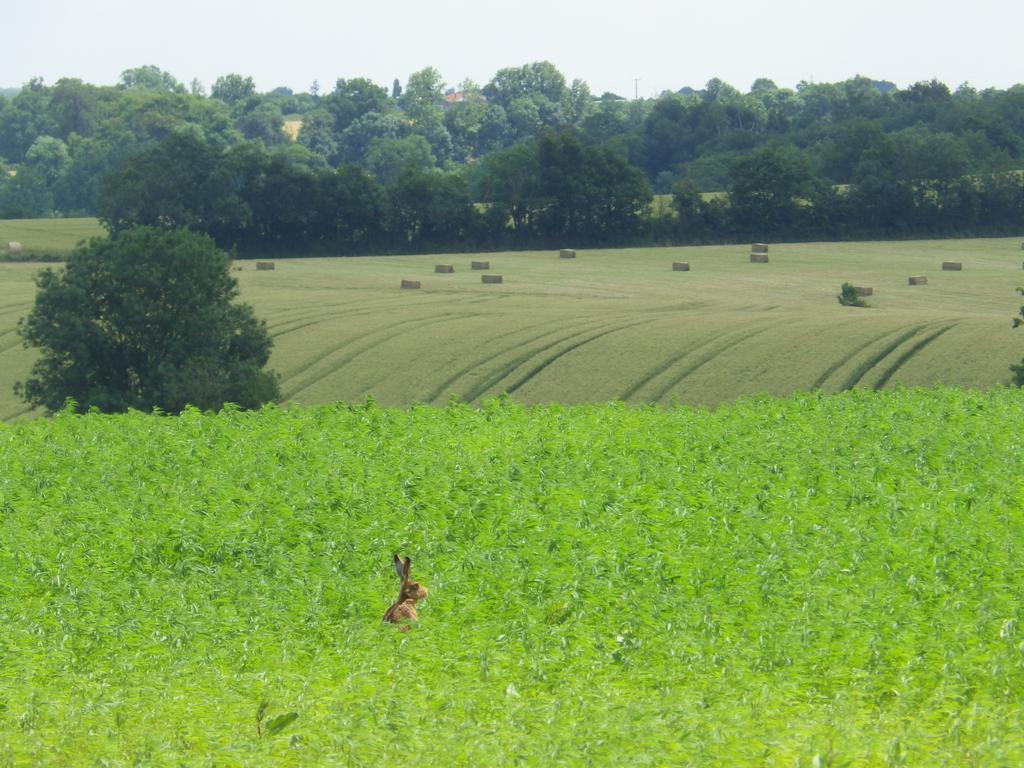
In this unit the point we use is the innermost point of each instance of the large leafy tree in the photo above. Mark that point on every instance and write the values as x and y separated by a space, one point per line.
146 320
766 191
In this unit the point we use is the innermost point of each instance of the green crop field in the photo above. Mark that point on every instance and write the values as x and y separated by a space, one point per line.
823 580
618 324
47 237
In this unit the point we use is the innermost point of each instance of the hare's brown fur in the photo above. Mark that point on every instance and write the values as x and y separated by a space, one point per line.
404 609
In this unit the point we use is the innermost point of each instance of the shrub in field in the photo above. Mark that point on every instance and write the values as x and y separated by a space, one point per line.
1018 369
848 296
144 321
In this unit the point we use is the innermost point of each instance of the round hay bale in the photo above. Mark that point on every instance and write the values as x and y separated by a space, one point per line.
758 248
680 266
863 290
263 265
917 280
14 247
410 283
567 253
490 278
952 266
444 269
480 264
759 258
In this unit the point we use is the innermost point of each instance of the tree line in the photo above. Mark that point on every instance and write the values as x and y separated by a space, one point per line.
528 159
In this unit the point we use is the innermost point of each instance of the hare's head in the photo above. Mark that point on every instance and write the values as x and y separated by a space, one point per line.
410 590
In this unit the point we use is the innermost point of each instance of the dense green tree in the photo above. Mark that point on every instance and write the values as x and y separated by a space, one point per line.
172 184
351 211
150 78
265 123
352 99
768 191
689 205
355 140
389 158
471 126
147 320
591 194
25 119
431 210
317 133
508 181
423 95
74 106
76 189
232 89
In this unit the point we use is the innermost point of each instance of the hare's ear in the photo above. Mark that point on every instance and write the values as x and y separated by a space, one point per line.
408 567
400 567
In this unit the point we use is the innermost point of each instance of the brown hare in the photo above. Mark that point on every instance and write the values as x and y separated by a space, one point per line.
404 609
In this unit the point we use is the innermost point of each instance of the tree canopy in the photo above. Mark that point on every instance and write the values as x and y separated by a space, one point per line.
858 158
146 320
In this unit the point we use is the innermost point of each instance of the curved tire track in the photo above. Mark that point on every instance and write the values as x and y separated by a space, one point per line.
731 341
446 385
843 360
665 365
524 358
561 353
902 359
864 368
338 365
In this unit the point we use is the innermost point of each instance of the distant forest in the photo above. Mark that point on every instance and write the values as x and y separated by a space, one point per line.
526 159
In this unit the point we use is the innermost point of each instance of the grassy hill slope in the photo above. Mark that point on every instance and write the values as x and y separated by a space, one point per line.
619 324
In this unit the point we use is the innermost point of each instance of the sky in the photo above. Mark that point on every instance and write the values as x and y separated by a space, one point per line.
639 47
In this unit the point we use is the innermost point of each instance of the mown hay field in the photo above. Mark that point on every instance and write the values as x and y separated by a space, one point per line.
47 237
823 580
619 324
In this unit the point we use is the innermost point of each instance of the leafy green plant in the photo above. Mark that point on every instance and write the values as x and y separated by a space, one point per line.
849 297
828 578
1018 369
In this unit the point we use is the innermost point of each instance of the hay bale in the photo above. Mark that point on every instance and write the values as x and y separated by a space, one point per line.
480 264
917 280
14 247
759 258
410 283
444 269
264 265
490 278
567 253
758 248
952 266
863 291
680 266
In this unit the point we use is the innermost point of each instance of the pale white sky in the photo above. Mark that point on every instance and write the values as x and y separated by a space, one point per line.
665 44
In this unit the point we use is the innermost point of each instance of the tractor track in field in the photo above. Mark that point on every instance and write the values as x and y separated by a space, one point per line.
665 365
842 360
21 412
917 347
422 322
524 358
318 315
572 347
864 368
7 346
289 375
445 386
731 341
